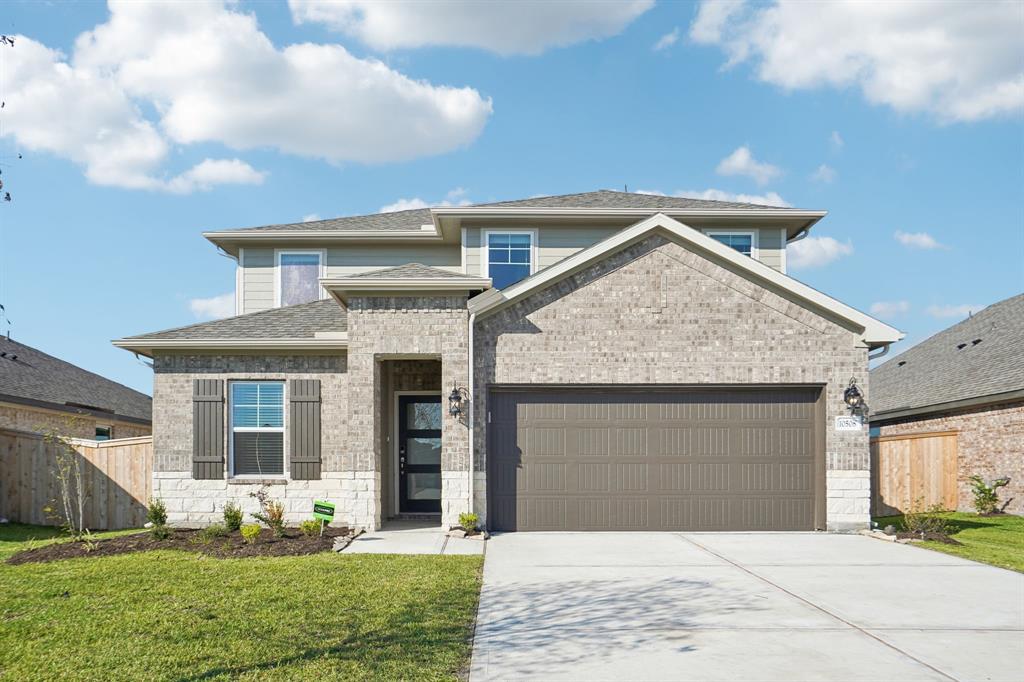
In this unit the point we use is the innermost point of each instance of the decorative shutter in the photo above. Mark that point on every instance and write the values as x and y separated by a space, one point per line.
207 429
304 429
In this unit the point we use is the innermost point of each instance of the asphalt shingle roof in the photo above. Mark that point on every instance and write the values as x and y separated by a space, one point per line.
301 321
413 219
978 357
410 271
27 374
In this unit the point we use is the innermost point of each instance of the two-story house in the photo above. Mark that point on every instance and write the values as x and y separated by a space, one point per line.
597 361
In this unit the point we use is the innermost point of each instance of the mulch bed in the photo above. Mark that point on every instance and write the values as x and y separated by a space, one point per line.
231 546
935 537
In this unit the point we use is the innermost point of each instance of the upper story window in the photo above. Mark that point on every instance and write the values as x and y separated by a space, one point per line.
743 241
257 428
509 257
298 276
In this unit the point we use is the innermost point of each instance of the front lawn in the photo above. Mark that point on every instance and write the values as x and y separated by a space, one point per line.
996 540
184 616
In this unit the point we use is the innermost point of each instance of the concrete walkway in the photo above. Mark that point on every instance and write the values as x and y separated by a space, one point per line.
412 537
668 606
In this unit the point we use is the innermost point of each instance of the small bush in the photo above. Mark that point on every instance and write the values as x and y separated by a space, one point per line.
986 495
157 513
469 521
211 532
923 520
161 532
232 516
310 527
250 532
271 512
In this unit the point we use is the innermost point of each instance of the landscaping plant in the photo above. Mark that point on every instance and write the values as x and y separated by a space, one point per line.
986 495
469 521
250 532
232 516
67 469
271 512
923 521
156 514
213 531
310 527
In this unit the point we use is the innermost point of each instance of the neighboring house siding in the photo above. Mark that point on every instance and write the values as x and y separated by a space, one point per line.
990 443
35 420
657 313
191 501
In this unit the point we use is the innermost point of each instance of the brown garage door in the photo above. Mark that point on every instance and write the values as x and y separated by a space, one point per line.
641 459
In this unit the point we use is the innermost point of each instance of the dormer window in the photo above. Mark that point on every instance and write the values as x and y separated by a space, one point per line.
744 241
298 277
509 256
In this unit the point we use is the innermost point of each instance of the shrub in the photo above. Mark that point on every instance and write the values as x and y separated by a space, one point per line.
986 497
157 513
922 520
250 532
161 532
271 512
216 530
469 521
310 527
232 516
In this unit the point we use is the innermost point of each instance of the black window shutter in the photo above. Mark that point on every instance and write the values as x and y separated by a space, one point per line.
304 429
207 428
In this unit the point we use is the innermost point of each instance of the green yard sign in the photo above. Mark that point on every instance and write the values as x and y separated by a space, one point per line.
323 510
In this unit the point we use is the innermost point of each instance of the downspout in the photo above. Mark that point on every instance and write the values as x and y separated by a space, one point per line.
885 349
472 412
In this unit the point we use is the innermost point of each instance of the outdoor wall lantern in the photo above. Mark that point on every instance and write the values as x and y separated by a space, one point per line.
455 401
853 398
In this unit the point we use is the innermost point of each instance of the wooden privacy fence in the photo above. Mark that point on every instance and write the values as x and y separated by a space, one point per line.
117 475
911 469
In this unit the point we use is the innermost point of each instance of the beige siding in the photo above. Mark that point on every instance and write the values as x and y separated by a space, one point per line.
257 280
771 246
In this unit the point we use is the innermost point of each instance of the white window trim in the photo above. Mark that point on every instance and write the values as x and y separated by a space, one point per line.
286 472
240 283
322 253
485 256
782 260
755 250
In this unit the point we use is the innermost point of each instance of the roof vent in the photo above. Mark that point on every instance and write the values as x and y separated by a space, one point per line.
961 346
901 363
975 342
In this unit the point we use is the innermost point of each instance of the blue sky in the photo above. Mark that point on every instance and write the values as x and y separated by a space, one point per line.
163 124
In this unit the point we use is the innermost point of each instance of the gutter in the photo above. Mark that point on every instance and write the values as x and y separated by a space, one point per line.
146 347
953 405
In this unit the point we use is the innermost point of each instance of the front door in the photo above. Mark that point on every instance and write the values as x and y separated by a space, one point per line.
419 454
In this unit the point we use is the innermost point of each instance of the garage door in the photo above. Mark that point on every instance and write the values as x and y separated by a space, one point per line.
693 459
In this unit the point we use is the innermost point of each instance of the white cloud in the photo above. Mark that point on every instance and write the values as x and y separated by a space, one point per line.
918 240
213 308
836 140
455 197
209 75
667 40
962 310
312 217
210 172
815 252
958 60
889 309
506 28
825 173
742 162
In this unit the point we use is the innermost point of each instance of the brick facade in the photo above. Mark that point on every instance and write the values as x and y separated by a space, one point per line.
36 419
990 443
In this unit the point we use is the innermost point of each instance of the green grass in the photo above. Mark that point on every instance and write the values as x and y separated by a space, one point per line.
177 615
996 540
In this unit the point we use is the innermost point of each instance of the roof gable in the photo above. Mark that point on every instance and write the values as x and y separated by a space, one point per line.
874 332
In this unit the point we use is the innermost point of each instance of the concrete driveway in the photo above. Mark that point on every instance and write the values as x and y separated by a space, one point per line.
705 606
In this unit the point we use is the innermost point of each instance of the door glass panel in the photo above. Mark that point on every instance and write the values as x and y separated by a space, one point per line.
424 486
423 450
423 416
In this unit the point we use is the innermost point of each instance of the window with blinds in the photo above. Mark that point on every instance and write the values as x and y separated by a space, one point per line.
257 428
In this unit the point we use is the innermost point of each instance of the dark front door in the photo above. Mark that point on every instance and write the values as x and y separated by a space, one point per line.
419 453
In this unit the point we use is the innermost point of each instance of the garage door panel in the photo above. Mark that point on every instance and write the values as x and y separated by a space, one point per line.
683 460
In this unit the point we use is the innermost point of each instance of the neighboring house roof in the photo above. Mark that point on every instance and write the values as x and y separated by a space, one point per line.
412 220
875 333
319 324
32 377
979 359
